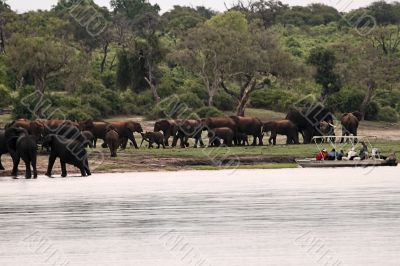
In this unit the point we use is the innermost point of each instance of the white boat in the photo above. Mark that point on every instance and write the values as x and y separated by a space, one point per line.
374 160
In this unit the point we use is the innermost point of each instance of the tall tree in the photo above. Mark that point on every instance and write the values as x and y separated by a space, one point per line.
38 57
234 57
324 60
146 47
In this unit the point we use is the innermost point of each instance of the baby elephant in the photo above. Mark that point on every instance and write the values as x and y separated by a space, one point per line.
153 137
89 139
69 151
112 140
217 134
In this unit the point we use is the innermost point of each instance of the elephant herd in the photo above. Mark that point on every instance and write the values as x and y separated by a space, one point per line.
68 140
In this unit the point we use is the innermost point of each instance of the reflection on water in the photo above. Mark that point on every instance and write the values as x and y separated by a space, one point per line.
273 217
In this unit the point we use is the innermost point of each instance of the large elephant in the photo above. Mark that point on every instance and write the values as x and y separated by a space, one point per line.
125 131
98 129
221 121
308 120
23 146
35 127
350 123
250 126
190 129
69 151
3 147
169 129
217 134
282 127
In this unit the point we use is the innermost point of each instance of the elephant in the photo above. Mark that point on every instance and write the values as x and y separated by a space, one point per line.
153 137
190 129
3 147
69 151
327 129
35 127
89 138
307 120
23 146
249 126
112 140
350 123
282 127
125 131
217 134
98 129
221 121
169 129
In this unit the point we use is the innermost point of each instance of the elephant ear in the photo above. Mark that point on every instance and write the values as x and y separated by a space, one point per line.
358 115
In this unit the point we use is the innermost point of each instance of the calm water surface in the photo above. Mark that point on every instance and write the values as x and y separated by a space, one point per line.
271 217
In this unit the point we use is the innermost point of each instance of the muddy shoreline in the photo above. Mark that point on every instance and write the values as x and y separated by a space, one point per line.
149 163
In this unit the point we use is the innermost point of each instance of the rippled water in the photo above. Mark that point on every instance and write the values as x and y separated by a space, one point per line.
272 217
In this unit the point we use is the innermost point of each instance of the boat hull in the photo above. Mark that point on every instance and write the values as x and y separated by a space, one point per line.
312 163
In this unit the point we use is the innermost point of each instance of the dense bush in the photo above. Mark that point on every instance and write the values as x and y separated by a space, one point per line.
206 112
5 96
388 114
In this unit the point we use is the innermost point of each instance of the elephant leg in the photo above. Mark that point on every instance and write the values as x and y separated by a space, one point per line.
166 138
52 160
34 163
28 172
254 140
83 170
16 160
124 143
86 167
260 138
132 138
94 142
175 141
63 168
1 165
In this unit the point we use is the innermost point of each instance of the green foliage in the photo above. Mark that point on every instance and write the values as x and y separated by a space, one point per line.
24 103
206 112
232 20
325 61
388 114
5 98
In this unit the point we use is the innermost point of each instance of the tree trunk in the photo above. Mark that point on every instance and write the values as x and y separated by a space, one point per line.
245 97
40 85
368 97
153 90
104 60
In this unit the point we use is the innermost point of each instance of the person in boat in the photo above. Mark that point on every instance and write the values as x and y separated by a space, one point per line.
364 151
352 154
340 155
322 155
375 153
332 156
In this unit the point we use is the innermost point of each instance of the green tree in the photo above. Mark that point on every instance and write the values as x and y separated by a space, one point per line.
38 57
324 60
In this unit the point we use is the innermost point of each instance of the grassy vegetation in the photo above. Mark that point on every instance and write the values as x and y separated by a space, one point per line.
300 151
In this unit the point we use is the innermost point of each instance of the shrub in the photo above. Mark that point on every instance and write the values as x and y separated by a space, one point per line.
388 114
224 102
77 114
25 103
206 112
5 98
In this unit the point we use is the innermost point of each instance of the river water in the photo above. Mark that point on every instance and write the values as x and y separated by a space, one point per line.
245 217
